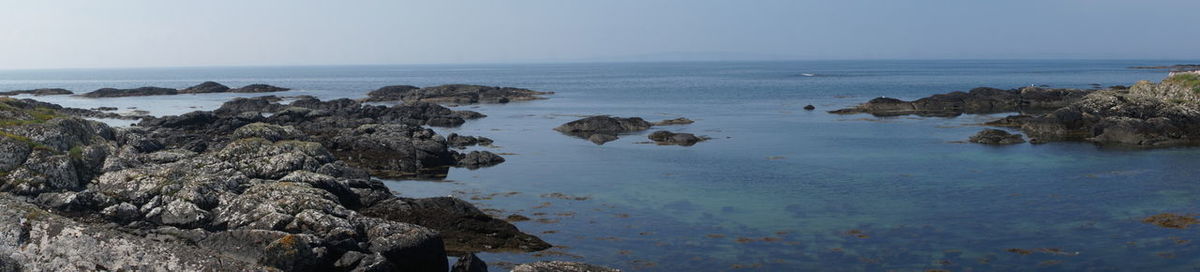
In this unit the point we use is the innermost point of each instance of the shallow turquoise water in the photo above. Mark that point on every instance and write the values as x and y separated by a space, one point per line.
779 188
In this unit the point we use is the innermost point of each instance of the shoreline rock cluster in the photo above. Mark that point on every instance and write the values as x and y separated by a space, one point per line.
1146 114
253 186
38 92
206 87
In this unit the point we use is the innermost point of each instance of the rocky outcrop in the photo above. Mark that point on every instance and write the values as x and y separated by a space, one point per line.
206 87
387 141
1147 115
143 91
976 101
258 88
453 93
663 137
996 137
561 266
227 192
38 92
607 127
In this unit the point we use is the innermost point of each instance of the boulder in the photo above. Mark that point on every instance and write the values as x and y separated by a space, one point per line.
670 138
463 226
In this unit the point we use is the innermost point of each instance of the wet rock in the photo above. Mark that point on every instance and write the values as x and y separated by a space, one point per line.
143 91
663 137
601 139
676 121
105 108
38 92
809 107
258 88
606 126
206 87
464 227
469 263
454 93
996 137
459 141
561 266
478 159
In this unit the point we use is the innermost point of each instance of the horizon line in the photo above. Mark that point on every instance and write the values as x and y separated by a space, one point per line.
580 62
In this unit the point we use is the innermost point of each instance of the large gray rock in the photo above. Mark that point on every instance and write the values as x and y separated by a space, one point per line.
206 87
976 101
607 127
561 266
996 137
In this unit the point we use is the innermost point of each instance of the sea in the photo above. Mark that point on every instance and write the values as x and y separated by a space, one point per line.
777 188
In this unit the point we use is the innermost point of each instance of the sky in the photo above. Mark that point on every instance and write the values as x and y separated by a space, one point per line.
155 33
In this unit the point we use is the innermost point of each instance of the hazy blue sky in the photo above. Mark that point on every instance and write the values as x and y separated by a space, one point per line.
134 33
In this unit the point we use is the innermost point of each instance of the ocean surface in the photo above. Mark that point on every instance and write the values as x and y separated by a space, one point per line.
778 188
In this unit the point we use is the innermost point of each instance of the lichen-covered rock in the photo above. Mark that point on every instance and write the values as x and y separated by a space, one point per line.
38 240
270 132
561 266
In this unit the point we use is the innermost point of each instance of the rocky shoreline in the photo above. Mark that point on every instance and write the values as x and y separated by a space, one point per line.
1146 114
255 185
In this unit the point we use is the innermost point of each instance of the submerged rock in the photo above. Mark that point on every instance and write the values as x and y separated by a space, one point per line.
676 121
464 227
996 137
1169 220
453 93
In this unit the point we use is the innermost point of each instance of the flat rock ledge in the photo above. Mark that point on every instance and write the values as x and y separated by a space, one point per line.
454 94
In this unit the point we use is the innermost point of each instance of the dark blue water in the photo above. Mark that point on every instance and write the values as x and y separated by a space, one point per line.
778 188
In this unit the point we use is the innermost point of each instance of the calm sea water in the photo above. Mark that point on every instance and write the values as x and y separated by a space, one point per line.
778 188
